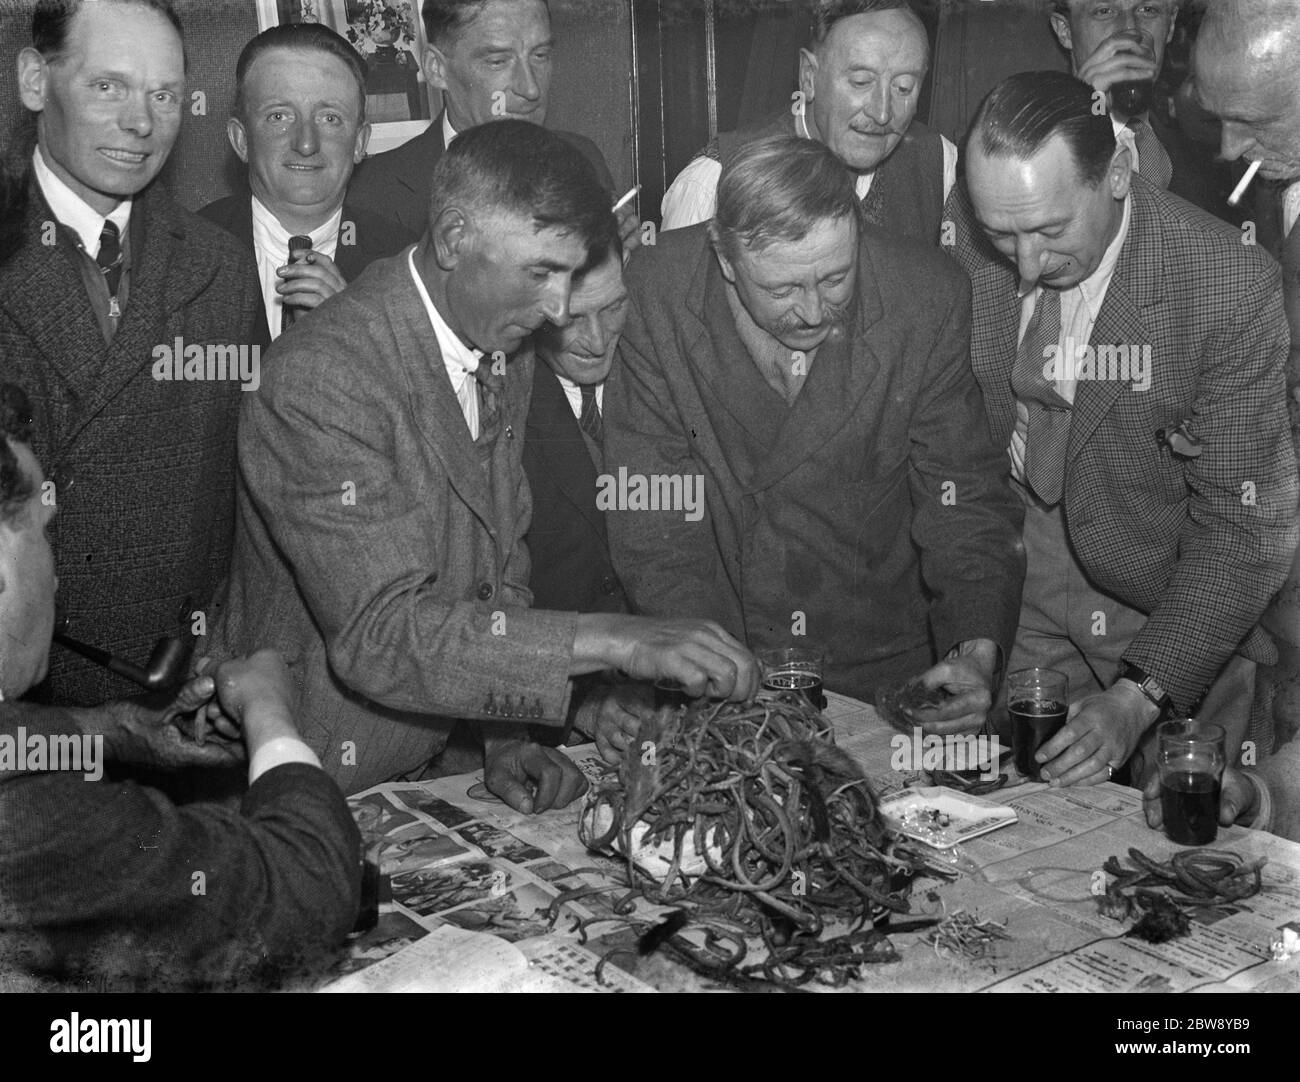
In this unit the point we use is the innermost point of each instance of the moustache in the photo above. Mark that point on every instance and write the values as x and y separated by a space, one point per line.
833 316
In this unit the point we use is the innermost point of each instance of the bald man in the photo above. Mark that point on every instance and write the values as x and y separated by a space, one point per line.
1246 74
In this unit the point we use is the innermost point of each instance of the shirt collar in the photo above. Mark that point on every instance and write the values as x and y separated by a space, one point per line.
456 355
448 132
270 235
73 211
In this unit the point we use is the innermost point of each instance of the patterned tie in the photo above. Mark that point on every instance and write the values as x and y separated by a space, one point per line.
590 420
1153 161
1049 414
490 385
110 256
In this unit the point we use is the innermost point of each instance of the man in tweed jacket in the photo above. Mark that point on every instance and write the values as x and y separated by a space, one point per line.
1162 518
383 501
142 468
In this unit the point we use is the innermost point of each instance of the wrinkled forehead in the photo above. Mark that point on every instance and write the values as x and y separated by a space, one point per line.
499 23
598 287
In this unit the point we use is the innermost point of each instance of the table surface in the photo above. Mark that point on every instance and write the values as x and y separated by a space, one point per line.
456 858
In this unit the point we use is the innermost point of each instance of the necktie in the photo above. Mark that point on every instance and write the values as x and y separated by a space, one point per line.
490 384
110 257
289 312
1048 435
590 420
1153 161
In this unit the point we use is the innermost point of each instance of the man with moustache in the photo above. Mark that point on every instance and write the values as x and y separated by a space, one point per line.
859 85
1160 496
299 124
383 501
109 269
1247 75
815 373
492 60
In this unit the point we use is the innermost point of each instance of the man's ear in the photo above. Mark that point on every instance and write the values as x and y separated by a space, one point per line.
434 66
807 73
1061 27
33 75
363 141
1119 176
724 264
450 236
238 138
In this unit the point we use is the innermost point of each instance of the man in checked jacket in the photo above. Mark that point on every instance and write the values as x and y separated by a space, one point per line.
1131 350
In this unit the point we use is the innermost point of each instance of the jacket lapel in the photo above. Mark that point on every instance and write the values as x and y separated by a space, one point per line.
439 416
1135 285
559 444
994 342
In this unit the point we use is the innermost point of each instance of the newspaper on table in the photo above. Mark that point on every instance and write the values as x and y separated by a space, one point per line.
459 859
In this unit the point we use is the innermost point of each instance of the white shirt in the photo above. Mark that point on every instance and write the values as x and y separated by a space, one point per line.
277 752
1290 206
1125 136
1079 307
448 132
461 361
271 243
73 211
573 392
693 196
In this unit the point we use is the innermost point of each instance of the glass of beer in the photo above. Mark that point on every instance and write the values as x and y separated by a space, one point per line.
794 668
1133 96
1190 758
1037 700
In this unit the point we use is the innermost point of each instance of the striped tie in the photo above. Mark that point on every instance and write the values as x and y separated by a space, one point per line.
110 256
1049 414
590 420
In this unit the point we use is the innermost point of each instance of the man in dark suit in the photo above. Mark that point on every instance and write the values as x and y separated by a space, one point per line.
811 376
859 85
491 59
98 878
111 284
1131 351
1246 74
383 502
299 124
562 447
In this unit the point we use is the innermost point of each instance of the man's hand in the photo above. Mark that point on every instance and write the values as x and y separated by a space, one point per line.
530 777
167 733
1101 731
967 675
629 228
704 658
1238 799
310 282
1118 60
619 710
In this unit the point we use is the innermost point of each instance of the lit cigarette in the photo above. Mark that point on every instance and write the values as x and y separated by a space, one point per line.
1244 183
626 198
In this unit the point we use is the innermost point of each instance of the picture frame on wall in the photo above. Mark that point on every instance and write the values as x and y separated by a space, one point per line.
389 35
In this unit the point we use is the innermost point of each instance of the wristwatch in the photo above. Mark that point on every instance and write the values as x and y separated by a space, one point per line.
1149 687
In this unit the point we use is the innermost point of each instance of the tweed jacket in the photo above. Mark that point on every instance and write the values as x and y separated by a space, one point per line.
874 518
1201 542
143 469
395 183
379 547
373 236
566 541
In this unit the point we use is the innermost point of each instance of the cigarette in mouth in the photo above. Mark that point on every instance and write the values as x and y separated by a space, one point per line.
627 197
1244 183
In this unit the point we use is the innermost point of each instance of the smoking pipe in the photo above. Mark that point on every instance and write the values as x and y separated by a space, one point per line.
165 668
